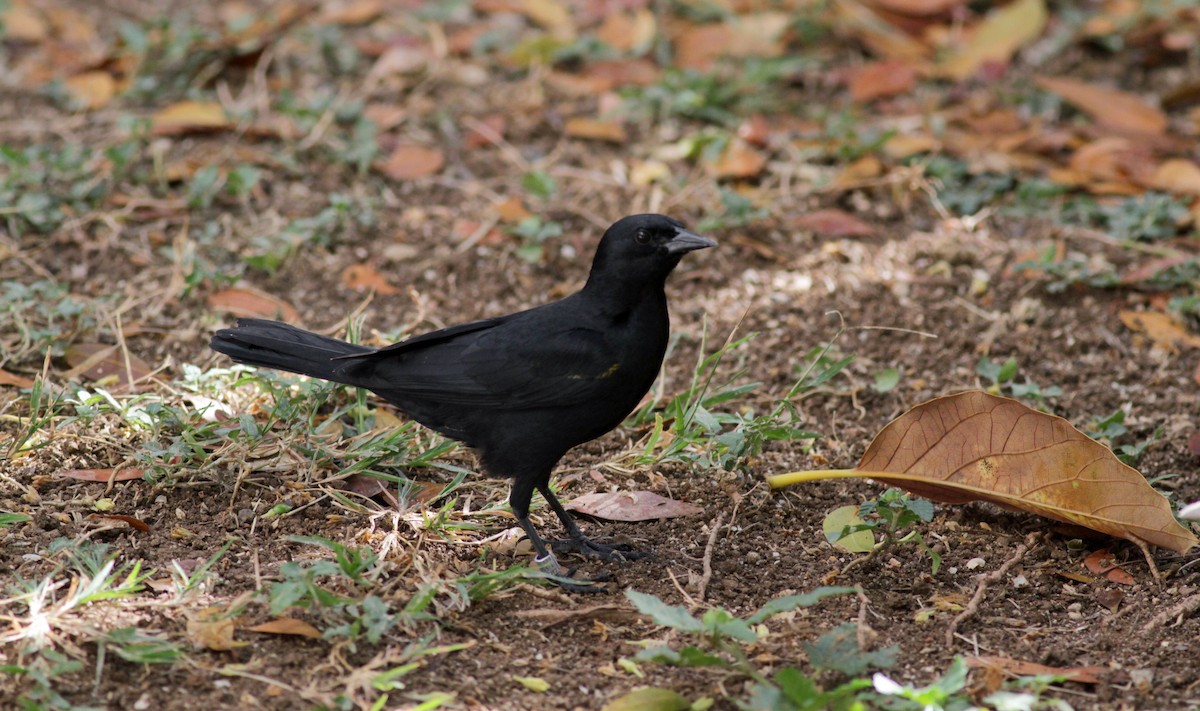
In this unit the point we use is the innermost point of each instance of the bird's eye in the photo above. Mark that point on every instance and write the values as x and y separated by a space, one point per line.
642 236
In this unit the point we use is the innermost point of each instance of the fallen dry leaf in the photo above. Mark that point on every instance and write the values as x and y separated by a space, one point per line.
1177 175
210 630
1102 562
287 625
103 475
628 31
189 117
976 446
834 223
1115 109
485 131
1111 598
135 523
409 162
552 15
751 35
247 302
919 8
91 90
1148 270
364 277
511 210
20 381
1017 667
880 79
631 506
738 160
998 37
885 40
98 361
1160 328
358 12
22 24
595 129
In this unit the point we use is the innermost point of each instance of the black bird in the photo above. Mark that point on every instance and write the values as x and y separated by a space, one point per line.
521 389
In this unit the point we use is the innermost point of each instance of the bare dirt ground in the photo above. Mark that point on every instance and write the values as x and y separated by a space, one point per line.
924 292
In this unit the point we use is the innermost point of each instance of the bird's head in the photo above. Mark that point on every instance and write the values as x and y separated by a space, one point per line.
645 248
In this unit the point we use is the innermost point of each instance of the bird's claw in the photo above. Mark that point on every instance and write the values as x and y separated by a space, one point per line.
601 551
567 580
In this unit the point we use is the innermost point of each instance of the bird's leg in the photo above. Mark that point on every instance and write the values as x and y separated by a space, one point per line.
579 543
519 498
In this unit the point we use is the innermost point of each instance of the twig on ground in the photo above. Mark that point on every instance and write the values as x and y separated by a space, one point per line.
1184 607
1145 548
985 580
708 554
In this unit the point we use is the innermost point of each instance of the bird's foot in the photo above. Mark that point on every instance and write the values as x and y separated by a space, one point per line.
566 579
588 548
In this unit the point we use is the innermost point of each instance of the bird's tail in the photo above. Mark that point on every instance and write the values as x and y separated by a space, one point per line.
273 344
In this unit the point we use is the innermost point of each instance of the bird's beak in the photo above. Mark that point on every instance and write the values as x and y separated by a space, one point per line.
685 241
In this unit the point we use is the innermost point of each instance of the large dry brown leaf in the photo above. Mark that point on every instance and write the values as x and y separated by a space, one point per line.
975 446
1160 328
631 506
246 302
98 361
1118 110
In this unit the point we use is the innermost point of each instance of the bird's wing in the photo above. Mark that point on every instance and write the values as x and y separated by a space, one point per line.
503 363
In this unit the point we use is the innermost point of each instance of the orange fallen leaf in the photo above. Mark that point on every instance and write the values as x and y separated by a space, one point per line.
1118 110
91 90
626 31
919 8
409 162
20 381
750 35
834 223
359 12
22 24
998 37
247 302
135 523
1160 328
738 160
903 145
616 73
976 446
103 475
97 361
552 15
511 210
1102 562
863 170
879 79
189 117
1177 175
1017 667
595 129
631 506
287 625
364 277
